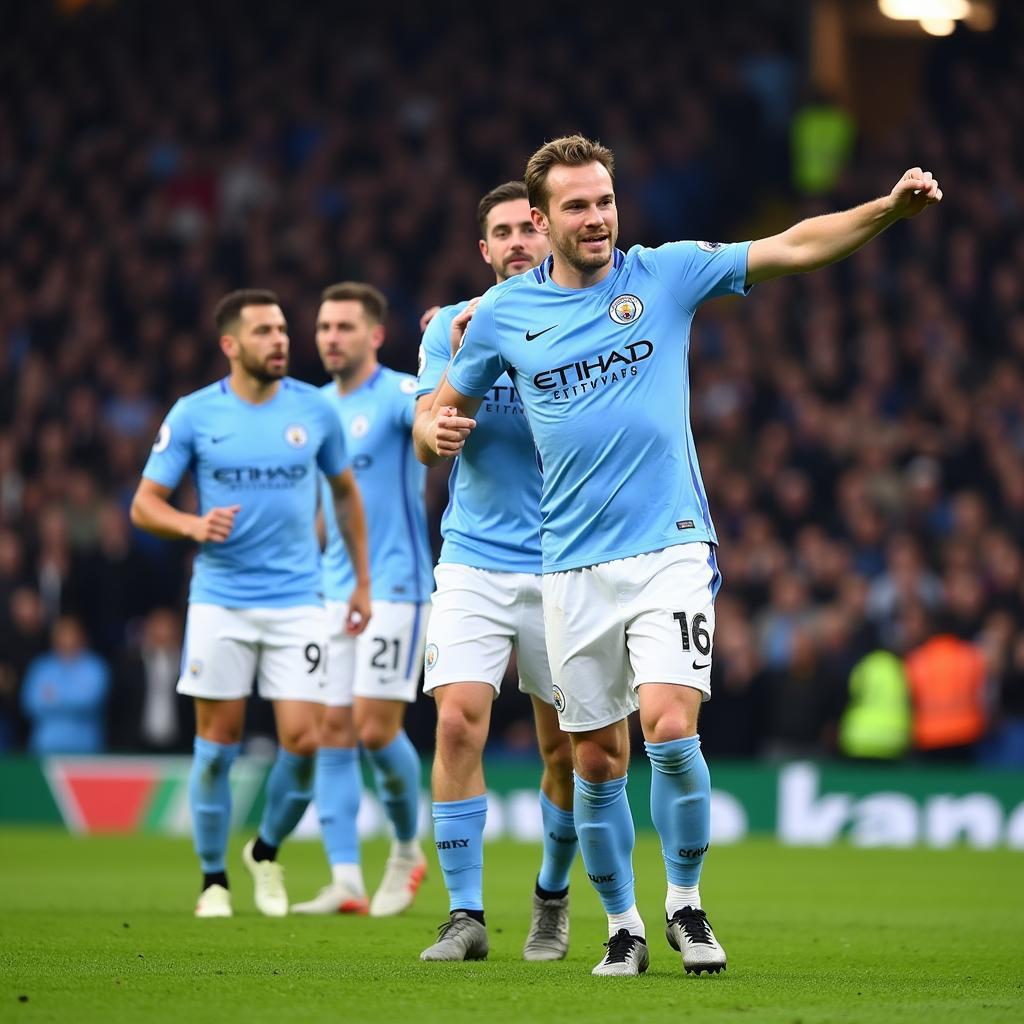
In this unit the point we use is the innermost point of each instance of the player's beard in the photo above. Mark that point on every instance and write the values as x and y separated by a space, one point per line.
348 368
261 370
586 263
336 365
507 270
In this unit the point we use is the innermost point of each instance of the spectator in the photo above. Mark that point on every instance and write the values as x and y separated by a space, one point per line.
64 695
906 580
822 137
108 585
144 711
803 702
22 638
876 722
946 676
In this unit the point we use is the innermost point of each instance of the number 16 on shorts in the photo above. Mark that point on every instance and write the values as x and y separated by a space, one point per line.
695 638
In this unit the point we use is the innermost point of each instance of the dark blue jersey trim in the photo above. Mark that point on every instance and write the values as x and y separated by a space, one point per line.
716 576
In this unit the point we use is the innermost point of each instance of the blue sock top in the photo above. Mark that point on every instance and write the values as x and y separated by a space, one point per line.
210 749
556 813
460 808
674 756
599 794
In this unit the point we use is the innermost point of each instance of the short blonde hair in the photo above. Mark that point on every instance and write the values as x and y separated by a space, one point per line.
568 151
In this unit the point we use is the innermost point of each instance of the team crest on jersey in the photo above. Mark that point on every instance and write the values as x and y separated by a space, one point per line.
711 246
625 309
430 656
296 435
421 362
163 439
407 386
559 698
195 668
360 426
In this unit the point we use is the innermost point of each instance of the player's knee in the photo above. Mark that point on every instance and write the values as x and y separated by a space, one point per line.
558 758
337 730
300 741
375 734
671 725
224 733
598 763
457 730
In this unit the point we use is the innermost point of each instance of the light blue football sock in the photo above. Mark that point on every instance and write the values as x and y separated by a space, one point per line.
681 806
560 846
337 789
289 790
604 825
459 837
209 796
396 770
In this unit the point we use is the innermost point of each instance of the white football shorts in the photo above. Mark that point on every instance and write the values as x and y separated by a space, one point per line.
384 661
283 649
478 618
614 626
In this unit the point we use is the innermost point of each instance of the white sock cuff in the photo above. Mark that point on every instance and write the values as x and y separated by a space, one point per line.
630 920
405 848
350 875
679 896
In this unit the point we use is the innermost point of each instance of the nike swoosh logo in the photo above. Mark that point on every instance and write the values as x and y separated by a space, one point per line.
217 440
699 667
530 337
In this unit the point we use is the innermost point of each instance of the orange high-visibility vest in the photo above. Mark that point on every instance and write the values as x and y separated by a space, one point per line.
947 686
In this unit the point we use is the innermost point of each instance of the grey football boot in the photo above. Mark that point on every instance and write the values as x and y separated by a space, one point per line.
548 938
461 937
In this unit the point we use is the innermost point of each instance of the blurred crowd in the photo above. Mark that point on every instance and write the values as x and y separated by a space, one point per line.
861 429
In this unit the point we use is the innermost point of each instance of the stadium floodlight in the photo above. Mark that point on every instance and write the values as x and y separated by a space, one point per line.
933 11
938 26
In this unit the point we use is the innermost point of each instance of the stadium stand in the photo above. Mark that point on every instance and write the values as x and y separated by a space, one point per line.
861 430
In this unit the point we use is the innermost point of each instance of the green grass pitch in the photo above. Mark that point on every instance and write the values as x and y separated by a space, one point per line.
100 929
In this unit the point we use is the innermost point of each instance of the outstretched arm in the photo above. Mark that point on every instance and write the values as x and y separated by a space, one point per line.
819 241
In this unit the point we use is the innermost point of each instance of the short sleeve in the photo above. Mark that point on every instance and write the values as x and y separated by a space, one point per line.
696 271
173 449
332 456
435 351
478 363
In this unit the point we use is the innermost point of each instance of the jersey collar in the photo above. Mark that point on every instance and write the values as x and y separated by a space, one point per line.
542 273
367 384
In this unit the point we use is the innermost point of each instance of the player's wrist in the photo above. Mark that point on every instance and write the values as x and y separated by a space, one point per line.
890 208
192 527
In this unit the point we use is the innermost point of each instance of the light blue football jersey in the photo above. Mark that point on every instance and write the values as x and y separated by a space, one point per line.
493 516
266 459
377 421
603 375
